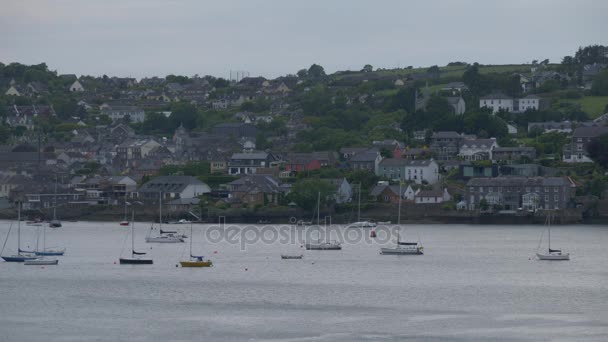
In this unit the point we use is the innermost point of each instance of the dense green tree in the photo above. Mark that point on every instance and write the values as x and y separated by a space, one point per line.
183 113
367 68
306 191
599 86
156 123
316 72
598 150
178 79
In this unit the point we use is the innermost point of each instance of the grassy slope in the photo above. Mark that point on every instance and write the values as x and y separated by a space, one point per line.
592 105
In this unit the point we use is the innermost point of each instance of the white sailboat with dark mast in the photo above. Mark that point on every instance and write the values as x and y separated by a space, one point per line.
135 258
402 248
359 223
41 260
551 254
328 245
163 236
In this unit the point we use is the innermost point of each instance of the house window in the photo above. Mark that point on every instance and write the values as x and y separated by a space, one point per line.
546 198
556 189
546 189
481 189
556 198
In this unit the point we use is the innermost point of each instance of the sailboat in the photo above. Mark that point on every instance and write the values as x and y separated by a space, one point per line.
41 260
135 258
45 251
164 237
359 223
551 254
125 222
322 246
55 223
20 257
402 248
195 260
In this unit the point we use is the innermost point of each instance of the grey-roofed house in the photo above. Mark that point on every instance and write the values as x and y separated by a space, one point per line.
477 149
366 160
446 145
248 163
497 102
576 150
172 187
256 190
551 126
237 130
528 193
510 154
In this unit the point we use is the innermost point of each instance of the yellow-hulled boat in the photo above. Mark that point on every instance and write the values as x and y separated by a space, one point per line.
196 263
195 260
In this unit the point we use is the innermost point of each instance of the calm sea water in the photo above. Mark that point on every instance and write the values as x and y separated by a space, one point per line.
473 283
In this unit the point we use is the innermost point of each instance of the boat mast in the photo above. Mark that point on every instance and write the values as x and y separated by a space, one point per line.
160 210
18 228
399 210
549 220
359 206
191 239
318 211
55 201
132 234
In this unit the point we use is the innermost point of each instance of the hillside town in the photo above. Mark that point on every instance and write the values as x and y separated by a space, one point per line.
463 140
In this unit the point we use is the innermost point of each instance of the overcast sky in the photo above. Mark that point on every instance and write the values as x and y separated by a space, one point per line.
271 38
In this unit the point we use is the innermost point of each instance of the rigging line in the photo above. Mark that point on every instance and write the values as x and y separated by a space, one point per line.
123 243
7 235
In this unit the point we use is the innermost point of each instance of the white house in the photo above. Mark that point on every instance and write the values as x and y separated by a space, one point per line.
76 87
530 102
478 149
497 102
173 187
417 171
458 104
432 196
116 113
13 91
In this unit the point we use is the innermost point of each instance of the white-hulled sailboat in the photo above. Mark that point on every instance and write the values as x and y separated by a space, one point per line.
42 260
55 223
125 221
402 248
20 256
359 223
551 254
163 237
135 258
322 246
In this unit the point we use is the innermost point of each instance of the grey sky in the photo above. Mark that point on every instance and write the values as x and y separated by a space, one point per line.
276 37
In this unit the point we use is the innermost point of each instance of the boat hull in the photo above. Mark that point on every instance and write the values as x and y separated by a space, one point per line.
291 257
556 257
323 247
401 251
164 240
135 261
41 262
196 263
124 223
50 253
363 224
18 258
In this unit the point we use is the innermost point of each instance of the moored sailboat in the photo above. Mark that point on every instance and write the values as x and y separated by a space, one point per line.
551 254
135 258
359 223
402 248
42 260
164 236
327 245
20 256
195 260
